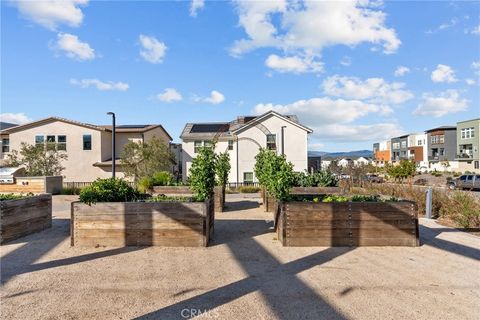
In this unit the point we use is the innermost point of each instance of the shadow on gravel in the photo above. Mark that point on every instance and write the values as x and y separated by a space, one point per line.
428 236
241 205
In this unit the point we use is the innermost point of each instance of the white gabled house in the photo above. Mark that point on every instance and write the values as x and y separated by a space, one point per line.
243 137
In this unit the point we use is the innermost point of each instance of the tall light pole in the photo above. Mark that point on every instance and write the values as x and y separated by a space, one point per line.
283 140
113 143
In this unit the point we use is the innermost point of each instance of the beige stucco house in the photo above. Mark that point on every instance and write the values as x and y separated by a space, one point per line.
243 137
89 147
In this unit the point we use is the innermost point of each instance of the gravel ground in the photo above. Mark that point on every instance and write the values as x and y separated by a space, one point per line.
244 274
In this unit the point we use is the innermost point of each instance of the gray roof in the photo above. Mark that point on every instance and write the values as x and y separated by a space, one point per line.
6 125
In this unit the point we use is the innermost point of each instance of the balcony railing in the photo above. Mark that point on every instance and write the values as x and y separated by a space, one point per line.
465 156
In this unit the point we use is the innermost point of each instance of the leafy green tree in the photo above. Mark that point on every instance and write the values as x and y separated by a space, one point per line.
38 160
145 159
405 169
321 178
222 168
108 190
202 173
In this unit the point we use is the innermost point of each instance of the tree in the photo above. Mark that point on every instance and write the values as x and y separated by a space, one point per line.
222 168
38 160
405 169
202 173
145 159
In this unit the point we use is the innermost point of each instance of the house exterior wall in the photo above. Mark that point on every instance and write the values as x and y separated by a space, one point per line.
449 145
469 161
399 148
247 143
79 165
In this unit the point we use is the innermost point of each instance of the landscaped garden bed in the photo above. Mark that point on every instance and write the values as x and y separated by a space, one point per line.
22 215
219 194
343 221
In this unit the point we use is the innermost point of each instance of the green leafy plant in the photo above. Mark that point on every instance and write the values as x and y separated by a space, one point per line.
164 198
321 178
334 198
248 189
71 191
202 173
365 198
222 168
405 169
109 190
12 196
161 178
38 160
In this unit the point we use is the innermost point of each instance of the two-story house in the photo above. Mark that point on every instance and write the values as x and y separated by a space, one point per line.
442 148
88 146
399 148
468 145
243 137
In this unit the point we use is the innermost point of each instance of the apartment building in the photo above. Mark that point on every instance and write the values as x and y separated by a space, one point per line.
88 146
399 148
468 145
417 149
243 137
382 152
442 148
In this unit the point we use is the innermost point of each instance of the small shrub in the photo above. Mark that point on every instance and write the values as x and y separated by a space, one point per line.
322 178
365 198
164 198
11 196
463 209
248 189
160 178
71 191
109 190
334 198
420 182
145 184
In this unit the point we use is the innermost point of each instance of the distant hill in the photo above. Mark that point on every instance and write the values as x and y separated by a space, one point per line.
336 155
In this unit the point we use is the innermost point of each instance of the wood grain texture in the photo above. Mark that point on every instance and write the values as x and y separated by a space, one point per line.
118 224
348 224
21 217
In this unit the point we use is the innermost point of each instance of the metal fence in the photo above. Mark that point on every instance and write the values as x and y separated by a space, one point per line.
80 185
236 185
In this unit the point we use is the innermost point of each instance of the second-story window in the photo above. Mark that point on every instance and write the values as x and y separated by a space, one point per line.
5 145
404 144
230 144
468 133
87 142
196 146
62 143
39 140
396 145
271 142
419 142
51 142
440 138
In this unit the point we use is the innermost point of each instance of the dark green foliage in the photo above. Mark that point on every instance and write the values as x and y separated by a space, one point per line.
322 178
38 160
71 191
109 190
222 168
11 196
364 198
405 169
164 198
161 178
202 173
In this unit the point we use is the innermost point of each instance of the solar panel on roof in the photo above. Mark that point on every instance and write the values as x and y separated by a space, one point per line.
209 128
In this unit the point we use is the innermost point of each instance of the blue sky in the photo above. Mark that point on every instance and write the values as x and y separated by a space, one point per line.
355 72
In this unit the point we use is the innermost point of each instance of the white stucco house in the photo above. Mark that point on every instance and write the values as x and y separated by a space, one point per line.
243 137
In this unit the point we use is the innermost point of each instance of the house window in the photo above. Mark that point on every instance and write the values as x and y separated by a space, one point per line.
419 142
39 140
437 139
271 142
468 133
5 145
442 152
230 144
51 142
396 145
248 177
196 146
404 144
207 144
87 142
62 143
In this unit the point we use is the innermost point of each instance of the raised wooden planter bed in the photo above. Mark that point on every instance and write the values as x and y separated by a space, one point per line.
24 216
118 224
219 194
303 224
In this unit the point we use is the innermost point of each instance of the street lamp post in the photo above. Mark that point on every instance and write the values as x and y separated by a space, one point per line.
283 140
113 143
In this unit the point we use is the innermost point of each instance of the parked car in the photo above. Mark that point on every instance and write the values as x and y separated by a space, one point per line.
466 181
373 178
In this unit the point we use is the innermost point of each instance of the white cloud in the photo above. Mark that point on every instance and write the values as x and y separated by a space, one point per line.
446 102
196 5
470 82
476 30
152 50
293 64
18 118
215 97
100 85
169 95
305 29
73 47
333 118
476 67
443 73
51 13
401 71
346 61
372 89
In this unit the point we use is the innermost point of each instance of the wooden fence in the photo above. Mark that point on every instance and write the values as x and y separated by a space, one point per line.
24 216
36 185
348 224
118 224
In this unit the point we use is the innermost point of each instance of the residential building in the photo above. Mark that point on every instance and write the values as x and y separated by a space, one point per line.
382 152
399 148
243 137
362 161
345 162
417 149
468 145
442 148
88 146
314 163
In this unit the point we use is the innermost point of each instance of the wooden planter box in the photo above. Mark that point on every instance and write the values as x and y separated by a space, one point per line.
270 203
38 185
118 224
219 194
303 224
21 217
